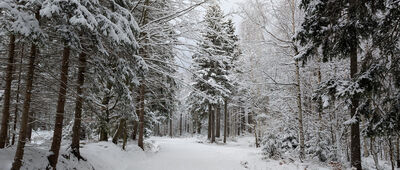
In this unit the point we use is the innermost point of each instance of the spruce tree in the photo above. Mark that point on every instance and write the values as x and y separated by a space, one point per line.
336 29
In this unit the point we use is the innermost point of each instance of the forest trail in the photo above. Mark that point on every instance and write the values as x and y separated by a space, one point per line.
188 153
182 154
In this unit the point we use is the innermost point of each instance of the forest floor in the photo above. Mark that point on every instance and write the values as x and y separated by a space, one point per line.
161 153
192 153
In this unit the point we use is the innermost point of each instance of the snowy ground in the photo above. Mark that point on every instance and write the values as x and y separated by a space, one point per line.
183 154
191 153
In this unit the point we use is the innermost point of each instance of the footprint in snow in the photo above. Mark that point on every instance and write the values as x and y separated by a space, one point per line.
245 164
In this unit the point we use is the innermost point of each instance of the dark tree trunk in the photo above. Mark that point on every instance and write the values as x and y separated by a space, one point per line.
141 115
391 152
103 133
243 117
212 124
58 125
398 151
250 121
7 92
218 121
135 129
170 125
78 107
226 125
17 99
188 124
125 136
198 125
355 127
209 122
142 83
180 126
238 124
19 153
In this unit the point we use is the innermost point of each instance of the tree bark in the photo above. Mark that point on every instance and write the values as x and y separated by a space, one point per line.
142 83
180 126
76 128
141 116
212 113
198 125
355 127
7 92
212 125
250 121
125 136
320 104
226 125
243 119
19 153
17 98
218 121
209 122
170 125
300 113
58 125
391 152
135 129
398 151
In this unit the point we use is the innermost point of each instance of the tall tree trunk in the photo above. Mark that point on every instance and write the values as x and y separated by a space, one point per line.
238 122
300 113
7 92
17 99
170 125
320 105
218 121
250 121
58 125
255 135
125 137
243 119
365 142
398 151
212 124
19 153
135 129
76 128
391 152
180 126
209 122
141 115
226 125
142 83
198 125
355 127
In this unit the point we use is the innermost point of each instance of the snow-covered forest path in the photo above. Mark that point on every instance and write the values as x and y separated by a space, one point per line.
182 154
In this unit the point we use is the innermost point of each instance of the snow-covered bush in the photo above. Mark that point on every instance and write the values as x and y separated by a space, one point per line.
271 147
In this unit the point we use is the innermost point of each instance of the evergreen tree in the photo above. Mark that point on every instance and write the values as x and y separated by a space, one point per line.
211 63
338 29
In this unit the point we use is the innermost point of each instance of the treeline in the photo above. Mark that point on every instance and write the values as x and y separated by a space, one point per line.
87 69
324 78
